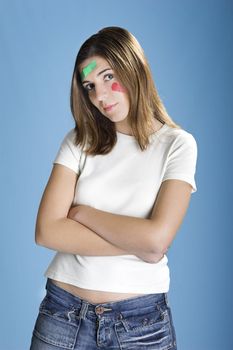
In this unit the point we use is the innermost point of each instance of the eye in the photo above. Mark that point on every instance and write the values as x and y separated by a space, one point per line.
89 87
108 76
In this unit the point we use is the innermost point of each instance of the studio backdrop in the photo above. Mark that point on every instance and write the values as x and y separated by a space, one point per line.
189 47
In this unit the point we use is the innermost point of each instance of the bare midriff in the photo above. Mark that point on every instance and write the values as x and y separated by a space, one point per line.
94 296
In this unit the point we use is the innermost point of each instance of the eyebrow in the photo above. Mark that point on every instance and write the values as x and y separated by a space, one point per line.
104 70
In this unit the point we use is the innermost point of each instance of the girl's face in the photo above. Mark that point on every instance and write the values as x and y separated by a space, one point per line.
105 91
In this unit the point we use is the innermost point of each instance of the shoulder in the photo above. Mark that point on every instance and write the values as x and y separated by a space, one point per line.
70 136
177 137
69 139
68 145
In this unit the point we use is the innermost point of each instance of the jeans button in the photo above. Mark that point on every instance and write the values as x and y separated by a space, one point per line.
99 310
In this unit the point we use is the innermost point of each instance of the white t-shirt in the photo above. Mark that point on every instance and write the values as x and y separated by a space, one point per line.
126 182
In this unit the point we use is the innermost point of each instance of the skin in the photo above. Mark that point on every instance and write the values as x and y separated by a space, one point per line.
104 89
88 231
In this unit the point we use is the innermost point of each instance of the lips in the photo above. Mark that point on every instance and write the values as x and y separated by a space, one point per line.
109 107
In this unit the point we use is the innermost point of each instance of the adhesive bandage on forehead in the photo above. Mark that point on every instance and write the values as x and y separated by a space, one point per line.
88 69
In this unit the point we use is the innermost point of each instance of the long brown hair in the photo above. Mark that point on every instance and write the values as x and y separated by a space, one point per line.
126 57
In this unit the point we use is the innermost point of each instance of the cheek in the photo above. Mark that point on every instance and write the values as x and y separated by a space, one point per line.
118 87
92 100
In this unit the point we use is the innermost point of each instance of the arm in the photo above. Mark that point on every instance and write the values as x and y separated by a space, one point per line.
132 233
55 231
78 212
148 236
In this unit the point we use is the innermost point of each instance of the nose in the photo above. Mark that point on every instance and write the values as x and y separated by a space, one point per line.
101 93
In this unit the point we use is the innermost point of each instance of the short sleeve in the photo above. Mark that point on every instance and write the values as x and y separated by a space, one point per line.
68 153
182 159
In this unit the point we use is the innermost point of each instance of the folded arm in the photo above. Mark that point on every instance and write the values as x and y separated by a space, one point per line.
55 230
129 233
102 233
151 236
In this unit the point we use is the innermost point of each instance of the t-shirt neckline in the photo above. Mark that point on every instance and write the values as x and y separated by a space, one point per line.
131 137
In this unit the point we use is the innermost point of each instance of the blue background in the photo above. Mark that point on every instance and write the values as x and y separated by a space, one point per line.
189 47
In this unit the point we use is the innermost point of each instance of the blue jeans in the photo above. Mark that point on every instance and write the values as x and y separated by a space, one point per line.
67 322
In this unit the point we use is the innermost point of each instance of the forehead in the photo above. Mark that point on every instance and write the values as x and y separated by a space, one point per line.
93 64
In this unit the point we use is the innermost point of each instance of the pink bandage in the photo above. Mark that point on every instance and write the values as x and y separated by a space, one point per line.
117 87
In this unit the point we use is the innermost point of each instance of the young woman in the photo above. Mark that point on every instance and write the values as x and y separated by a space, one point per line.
112 225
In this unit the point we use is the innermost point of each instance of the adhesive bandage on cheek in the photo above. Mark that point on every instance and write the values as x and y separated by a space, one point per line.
118 87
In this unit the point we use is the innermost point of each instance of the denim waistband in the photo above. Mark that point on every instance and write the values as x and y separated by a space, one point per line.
74 302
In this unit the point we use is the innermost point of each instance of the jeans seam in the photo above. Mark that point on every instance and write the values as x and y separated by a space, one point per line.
51 342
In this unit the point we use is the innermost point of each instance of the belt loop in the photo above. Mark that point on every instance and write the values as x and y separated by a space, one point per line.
83 310
166 299
47 282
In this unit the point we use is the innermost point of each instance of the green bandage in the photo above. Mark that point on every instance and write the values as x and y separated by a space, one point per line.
88 69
